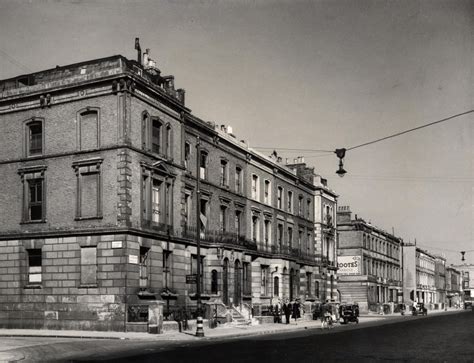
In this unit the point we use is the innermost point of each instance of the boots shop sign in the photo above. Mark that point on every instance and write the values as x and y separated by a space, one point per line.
349 265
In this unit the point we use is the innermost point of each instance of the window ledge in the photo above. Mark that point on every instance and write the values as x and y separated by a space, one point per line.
88 286
33 286
35 156
34 222
87 218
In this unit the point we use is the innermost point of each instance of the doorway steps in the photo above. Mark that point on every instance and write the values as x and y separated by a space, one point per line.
238 318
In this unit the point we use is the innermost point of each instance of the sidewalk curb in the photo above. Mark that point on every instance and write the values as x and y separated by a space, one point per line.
61 336
183 336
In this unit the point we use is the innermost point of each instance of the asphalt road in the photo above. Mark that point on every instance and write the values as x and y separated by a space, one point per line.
444 338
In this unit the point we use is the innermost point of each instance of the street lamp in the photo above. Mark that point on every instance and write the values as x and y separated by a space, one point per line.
199 323
340 153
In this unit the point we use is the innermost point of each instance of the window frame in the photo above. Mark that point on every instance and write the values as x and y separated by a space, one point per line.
264 280
86 267
238 179
31 254
224 173
289 197
88 167
168 141
255 187
238 222
27 174
161 174
27 136
223 216
79 130
167 268
187 154
267 192
203 170
290 232
144 266
160 138
255 228
280 193
247 278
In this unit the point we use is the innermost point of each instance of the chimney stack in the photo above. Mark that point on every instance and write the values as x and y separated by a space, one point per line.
139 50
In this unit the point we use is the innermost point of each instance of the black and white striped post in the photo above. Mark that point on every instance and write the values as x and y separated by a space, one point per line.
199 327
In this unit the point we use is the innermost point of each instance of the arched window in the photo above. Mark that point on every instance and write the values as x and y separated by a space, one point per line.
88 132
156 136
169 141
34 137
187 154
214 282
276 286
203 164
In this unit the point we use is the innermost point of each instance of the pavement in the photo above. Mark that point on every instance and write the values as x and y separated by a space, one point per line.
225 331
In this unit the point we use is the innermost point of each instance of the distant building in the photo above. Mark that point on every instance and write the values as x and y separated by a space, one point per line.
425 277
369 263
99 205
440 281
454 291
467 271
419 276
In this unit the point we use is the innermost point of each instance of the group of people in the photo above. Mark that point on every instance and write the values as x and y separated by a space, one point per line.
290 309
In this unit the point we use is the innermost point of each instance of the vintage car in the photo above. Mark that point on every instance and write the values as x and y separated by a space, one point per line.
349 313
419 309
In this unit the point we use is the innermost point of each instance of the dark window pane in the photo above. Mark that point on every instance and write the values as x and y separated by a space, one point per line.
36 138
35 199
155 138
34 257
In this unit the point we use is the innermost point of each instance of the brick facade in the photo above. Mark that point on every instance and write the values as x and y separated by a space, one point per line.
98 204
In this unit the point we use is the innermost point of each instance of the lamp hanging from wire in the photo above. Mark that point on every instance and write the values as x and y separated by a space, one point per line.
340 153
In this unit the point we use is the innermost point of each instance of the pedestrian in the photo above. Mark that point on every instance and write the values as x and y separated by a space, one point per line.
296 310
276 316
288 312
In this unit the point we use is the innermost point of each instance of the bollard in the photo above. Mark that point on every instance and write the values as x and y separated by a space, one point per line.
199 327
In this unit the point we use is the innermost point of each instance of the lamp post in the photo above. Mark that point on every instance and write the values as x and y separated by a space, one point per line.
199 323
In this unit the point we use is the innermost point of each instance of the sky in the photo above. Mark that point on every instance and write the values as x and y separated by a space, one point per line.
315 75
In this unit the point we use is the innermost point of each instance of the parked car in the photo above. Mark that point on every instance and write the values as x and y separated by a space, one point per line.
349 313
419 309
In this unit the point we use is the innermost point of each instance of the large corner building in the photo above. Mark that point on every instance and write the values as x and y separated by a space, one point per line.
99 205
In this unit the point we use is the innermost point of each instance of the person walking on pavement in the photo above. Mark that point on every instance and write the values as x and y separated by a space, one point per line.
288 312
296 310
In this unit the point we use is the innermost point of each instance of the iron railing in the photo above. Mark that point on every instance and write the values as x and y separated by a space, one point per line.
293 252
164 228
221 237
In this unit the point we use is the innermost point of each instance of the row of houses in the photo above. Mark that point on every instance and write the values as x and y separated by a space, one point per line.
107 176
109 180
380 271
